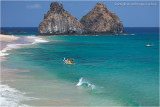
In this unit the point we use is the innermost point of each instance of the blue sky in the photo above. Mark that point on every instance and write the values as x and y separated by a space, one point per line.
31 13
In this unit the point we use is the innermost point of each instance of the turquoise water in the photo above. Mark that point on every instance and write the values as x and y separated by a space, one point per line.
111 70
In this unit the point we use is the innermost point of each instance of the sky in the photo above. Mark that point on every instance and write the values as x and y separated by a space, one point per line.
31 13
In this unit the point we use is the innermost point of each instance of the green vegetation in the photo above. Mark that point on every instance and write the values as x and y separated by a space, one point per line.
84 17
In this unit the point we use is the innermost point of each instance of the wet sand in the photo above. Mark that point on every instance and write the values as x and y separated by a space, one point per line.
4 40
9 95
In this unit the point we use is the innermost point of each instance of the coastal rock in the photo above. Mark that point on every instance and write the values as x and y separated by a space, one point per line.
9 32
58 21
1 31
100 20
17 31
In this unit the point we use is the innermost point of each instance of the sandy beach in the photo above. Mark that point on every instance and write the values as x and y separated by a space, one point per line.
4 40
8 76
7 38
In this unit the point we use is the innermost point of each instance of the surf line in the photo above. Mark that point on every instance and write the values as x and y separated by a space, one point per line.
30 41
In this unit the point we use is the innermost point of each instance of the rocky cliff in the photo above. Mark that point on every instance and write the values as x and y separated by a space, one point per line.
100 20
57 21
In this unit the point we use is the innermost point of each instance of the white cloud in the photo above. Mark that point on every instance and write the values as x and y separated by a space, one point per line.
34 6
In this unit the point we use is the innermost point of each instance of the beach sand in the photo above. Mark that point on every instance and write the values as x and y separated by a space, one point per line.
7 38
4 40
9 96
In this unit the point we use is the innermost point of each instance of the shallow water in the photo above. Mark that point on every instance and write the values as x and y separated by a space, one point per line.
113 70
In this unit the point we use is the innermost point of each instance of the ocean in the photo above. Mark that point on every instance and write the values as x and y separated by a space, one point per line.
113 70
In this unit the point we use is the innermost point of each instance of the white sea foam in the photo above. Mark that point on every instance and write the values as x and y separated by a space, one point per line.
10 47
36 39
10 97
32 39
82 82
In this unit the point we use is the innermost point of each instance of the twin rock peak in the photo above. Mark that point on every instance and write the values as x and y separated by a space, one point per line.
99 20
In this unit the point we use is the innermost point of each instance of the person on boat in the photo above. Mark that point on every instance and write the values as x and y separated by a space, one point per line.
71 60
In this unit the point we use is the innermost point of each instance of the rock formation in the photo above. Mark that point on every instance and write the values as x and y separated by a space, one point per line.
101 20
57 21
1 31
17 31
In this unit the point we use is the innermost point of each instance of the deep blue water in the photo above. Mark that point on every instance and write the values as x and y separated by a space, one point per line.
117 67
27 30
142 30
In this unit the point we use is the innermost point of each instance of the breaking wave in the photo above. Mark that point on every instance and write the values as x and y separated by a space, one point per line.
36 39
11 97
30 40
83 82
3 52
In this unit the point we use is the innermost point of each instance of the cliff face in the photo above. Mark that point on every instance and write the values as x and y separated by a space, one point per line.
57 21
99 20
102 20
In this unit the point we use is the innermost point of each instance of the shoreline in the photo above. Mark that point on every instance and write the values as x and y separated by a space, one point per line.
8 38
4 41
7 75
9 94
9 42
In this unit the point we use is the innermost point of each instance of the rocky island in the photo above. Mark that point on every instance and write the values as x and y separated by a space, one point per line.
57 21
10 32
99 20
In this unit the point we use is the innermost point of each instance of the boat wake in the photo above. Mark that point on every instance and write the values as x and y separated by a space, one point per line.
83 82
